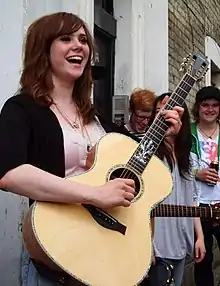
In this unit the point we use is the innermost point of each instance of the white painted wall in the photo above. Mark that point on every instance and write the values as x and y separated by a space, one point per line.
15 16
212 51
123 51
141 46
11 206
156 46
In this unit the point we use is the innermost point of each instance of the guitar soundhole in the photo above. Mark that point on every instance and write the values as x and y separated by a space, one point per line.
127 174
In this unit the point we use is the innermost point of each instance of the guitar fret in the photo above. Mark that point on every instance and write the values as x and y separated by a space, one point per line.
187 83
182 90
161 124
136 165
177 103
156 137
190 80
166 210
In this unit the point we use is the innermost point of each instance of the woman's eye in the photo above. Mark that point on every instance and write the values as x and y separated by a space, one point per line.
65 39
83 40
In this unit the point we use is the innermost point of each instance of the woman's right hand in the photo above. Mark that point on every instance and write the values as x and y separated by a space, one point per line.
208 175
117 192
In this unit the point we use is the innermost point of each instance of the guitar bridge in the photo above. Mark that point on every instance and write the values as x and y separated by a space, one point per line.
105 219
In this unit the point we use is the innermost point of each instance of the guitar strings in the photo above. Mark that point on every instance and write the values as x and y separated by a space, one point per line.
126 173
161 122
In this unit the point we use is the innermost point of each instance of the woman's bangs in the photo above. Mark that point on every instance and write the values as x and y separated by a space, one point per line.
68 25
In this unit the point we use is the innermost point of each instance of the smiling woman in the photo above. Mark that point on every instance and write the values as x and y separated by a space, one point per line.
56 40
54 125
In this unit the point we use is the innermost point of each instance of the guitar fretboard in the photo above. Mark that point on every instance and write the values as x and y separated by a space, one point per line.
164 210
155 134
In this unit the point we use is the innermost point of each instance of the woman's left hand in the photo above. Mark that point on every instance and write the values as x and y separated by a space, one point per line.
173 117
199 250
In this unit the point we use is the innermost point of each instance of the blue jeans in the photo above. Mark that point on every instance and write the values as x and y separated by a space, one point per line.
30 275
158 274
178 265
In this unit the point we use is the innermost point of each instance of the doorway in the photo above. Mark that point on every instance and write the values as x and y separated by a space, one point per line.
103 69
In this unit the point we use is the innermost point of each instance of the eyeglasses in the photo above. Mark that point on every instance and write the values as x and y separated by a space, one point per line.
141 118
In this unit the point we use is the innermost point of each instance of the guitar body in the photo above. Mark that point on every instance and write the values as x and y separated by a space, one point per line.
68 236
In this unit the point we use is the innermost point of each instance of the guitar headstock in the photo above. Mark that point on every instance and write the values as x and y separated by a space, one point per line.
216 211
196 65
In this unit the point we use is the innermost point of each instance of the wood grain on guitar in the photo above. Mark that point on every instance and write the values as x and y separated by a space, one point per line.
80 240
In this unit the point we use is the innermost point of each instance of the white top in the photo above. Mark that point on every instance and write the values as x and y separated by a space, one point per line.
174 236
209 152
75 145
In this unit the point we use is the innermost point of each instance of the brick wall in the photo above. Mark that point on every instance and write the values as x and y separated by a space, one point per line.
189 23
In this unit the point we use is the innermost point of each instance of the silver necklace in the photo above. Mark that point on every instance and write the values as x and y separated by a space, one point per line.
73 124
208 136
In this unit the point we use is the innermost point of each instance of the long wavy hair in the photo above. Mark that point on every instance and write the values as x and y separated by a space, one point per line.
36 77
182 145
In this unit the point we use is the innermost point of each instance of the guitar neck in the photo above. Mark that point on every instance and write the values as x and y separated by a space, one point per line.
156 132
164 210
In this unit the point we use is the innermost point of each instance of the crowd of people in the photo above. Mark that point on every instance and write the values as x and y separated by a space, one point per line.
189 155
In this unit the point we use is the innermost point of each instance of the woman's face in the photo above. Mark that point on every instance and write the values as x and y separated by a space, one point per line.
69 55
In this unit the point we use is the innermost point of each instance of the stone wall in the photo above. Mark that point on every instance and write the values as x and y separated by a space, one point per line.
189 24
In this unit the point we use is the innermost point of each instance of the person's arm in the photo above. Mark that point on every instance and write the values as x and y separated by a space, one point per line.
199 244
199 251
34 183
29 181
21 178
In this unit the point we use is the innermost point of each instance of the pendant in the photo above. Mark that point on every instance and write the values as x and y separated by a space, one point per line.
75 125
89 147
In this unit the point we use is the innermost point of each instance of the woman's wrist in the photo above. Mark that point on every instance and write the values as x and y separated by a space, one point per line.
196 174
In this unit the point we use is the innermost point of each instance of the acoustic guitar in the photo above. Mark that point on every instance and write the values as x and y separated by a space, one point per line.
112 248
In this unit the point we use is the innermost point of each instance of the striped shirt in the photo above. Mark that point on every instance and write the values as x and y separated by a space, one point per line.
140 136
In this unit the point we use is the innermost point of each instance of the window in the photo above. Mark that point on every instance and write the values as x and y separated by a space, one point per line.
106 5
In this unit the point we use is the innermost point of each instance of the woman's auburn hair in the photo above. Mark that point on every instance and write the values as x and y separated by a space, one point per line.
36 77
